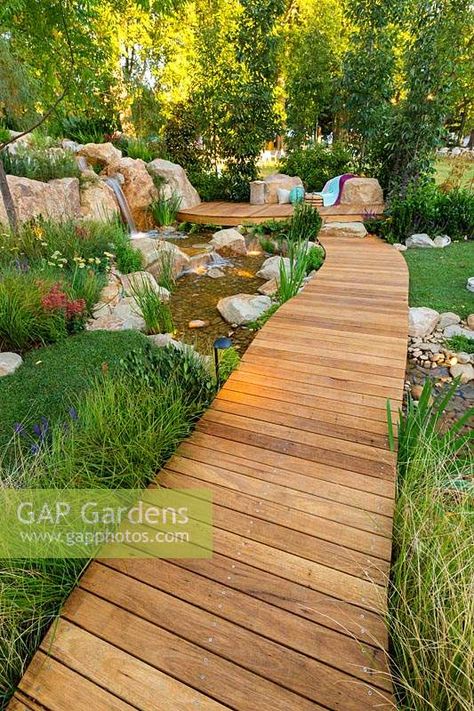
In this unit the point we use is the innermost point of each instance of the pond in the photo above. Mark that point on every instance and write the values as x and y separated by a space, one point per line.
196 293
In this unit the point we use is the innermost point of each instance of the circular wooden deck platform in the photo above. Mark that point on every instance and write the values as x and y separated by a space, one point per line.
229 214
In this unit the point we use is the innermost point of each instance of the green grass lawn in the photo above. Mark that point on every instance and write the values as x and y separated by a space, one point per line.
51 378
438 278
463 166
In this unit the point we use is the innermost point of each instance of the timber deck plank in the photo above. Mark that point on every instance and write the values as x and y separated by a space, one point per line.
287 615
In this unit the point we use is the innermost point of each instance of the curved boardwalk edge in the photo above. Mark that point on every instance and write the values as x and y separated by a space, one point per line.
287 615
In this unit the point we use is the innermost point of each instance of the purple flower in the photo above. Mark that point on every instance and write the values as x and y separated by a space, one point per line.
37 430
73 413
34 448
18 428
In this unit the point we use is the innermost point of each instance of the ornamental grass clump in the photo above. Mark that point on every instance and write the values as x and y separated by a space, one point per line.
431 595
121 431
165 209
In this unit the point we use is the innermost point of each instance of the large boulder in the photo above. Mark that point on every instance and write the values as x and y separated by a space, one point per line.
98 201
228 242
272 184
343 229
100 154
243 308
56 200
422 321
156 254
176 181
364 192
419 240
270 268
138 188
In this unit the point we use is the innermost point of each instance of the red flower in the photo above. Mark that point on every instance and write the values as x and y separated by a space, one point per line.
57 300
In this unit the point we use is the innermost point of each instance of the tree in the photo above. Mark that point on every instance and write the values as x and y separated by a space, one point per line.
314 43
433 72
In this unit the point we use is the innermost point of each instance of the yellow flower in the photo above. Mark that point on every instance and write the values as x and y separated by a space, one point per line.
109 255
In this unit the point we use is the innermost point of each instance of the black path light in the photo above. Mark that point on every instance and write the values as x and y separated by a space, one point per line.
220 344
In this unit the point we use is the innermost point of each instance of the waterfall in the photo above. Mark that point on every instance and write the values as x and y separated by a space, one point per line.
123 204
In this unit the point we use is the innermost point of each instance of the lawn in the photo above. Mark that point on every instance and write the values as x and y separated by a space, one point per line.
460 167
438 278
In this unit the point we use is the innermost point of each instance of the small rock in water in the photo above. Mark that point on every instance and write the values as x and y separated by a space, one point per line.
215 273
198 323
269 288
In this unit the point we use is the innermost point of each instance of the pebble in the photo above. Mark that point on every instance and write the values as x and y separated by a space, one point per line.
198 323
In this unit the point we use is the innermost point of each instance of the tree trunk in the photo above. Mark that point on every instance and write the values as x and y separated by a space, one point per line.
7 199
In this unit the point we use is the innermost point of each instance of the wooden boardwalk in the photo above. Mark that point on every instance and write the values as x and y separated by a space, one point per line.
228 214
286 616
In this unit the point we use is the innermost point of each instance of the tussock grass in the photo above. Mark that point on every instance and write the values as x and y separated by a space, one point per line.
431 600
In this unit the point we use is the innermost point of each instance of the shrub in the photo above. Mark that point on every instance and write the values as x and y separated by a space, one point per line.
315 259
316 164
430 597
164 210
305 223
145 149
35 311
70 244
226 186
85 130
40 163
427 208
184 366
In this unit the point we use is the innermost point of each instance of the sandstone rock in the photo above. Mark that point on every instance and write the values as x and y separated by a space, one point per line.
177 182
270 268
456 330
463 358
56 200
269 288
400 247
442 241
162 340
343 229
129 313
199 262
448 319
470 284
156 253
98 201
422 321
362 191
470 321
419 240
135 280
9 362
416 391
463 371
228 242
274 182
100 153
198 323
138 188
257 192
243 308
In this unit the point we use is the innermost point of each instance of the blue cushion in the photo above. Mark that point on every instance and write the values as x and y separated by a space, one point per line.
296 194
